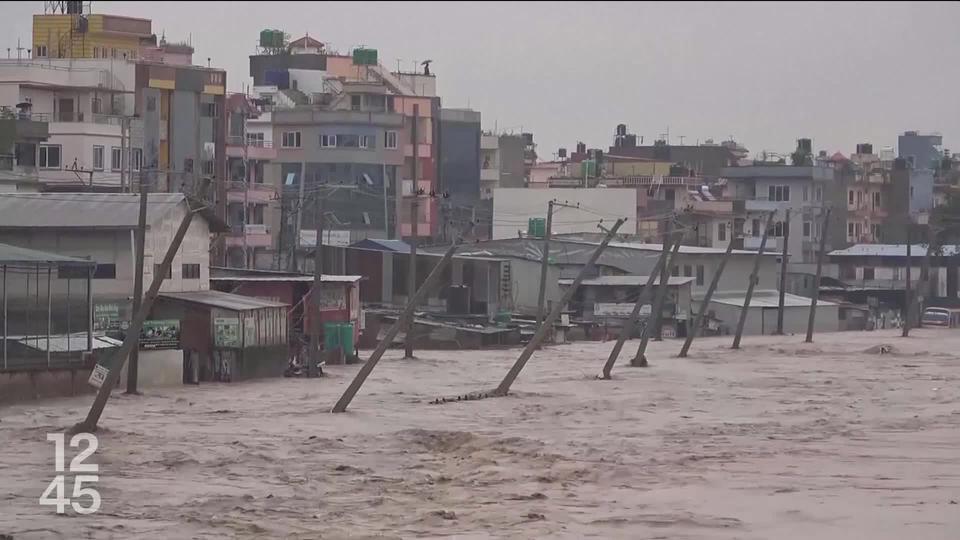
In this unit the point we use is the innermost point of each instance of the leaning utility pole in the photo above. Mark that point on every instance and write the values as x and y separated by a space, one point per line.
642 297
554 313
314 305
705 305
753 282
664 275
783 274
544 264
133 368
387 340
89 425
816 284
907 293
656 310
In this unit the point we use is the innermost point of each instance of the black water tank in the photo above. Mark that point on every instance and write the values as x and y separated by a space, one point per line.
621 130
864 148
527 138
581 148
74 8
630 141
562 153
805 145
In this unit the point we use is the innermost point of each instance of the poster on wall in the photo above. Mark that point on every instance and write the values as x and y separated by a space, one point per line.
162 334
332 298
226 332
106 316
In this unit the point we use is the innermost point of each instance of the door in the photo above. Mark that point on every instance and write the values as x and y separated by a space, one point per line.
65 108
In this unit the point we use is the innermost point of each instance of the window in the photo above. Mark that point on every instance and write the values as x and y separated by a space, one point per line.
859 228
190 271
151 103
850 197
806 229
780 228
49 156
687 270
755 227
390 140
328 141
207 167
255 139
290 139
96 105
819 193
105 271
113 52
850 229
41 51
778 193
911 192
137 158
859 199
868 273
365 141
115 158
156 271
675 271
97 158
875 231
210 110
355 101
876 200
806 193
721 232
348 141
700 274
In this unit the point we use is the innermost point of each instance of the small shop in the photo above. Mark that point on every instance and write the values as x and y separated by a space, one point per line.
224 337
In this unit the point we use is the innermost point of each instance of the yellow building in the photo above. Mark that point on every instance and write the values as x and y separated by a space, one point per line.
631 166
88 36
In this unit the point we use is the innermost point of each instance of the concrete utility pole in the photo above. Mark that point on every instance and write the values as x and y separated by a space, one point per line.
783 273
133 368
925 292
705 305
753 281
314 305
124 125
816 284
554 313
246 190
295 241
625 332
412 273
544 264
656 311
907 293
401 322
664 273
89 425
414 221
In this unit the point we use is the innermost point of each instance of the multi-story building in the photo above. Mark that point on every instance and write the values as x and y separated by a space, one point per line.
511 150
489 164
19 138
460 161
346 121
869 196
69 30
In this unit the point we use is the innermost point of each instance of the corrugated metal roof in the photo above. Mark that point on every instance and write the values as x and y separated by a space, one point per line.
89 210
18 255
684 250
396 246
325 278
626 281
889 250
765 299
233 302
60 343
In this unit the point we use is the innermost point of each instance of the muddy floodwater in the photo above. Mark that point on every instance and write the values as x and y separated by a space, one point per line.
780 440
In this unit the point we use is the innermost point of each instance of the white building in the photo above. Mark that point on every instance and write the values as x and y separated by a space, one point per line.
101 226
727 306
84 102
489 165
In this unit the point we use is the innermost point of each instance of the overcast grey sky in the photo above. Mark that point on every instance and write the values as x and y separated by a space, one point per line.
764 73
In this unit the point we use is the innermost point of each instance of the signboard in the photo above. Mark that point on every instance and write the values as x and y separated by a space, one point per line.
336 238
332 297
98 376
106 317
226 332
618 309
163 334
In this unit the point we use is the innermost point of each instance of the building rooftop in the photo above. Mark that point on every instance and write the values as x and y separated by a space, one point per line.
217 299
13 255
108 211
394 246
779 172
626 281
890 250
764 299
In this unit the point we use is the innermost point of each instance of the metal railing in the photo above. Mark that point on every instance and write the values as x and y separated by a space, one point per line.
237 140
75 116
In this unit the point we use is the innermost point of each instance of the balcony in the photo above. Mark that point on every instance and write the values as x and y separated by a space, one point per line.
256 236
763 205
255 194
77 117
752 243
308 116
258 150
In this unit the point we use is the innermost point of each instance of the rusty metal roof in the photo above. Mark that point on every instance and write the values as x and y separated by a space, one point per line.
232 302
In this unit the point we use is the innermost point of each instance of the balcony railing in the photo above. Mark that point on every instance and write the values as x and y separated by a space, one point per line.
236 140
76 116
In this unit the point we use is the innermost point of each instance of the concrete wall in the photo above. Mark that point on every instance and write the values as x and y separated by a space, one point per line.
511 161
763 321
29 385
460 157
513 206
184 133
158 368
